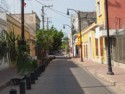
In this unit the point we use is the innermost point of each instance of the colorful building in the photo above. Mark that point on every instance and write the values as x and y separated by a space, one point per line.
116 14
87 18
94 37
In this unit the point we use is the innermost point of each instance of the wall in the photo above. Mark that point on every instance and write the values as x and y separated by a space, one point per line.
116 13
86 45
100 16
14 25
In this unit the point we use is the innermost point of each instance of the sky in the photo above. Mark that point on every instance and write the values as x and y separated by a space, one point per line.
57 13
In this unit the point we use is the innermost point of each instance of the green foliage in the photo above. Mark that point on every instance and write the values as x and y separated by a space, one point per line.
65 44
50 39
11 47
3 46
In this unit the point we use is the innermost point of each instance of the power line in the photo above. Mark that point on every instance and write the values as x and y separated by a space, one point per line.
56 11
19 18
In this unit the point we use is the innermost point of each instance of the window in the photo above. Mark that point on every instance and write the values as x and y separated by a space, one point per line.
86 51
98 8
101 46
96 46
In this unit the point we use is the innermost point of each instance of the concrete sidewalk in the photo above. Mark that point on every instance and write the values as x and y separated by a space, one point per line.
5 76
100 70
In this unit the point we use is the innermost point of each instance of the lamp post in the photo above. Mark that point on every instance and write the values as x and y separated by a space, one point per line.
79 24
108 41
71 35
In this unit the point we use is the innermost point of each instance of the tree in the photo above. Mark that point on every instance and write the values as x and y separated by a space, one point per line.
65 44
49 40
11 49
57 39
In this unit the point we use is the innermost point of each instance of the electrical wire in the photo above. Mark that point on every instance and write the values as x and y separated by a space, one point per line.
56 11
31 6
19 18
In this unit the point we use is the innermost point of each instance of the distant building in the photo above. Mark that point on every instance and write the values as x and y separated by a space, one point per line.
87 18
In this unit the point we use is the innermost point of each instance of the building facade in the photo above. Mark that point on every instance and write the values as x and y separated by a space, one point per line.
86 18
94 37
10 24
116 15
32 21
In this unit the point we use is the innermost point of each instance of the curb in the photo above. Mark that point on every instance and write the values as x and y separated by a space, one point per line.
119 86
104 78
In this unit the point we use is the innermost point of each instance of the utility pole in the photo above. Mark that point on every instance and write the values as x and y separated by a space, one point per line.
43 13
43 16
47 23
22 21
79 22
72 33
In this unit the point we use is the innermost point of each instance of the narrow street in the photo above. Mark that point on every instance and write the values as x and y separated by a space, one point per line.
62 76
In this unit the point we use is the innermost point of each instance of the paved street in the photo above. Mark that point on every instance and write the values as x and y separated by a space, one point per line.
62 76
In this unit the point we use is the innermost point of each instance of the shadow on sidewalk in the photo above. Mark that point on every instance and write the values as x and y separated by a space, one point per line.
62 76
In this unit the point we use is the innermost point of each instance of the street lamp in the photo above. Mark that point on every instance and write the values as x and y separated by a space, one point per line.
79 24
72 36
108 41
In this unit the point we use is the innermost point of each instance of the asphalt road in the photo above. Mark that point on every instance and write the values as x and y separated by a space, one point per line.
62 76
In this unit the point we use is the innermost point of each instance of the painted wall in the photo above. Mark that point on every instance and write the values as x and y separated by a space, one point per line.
100 15
89 49
116 12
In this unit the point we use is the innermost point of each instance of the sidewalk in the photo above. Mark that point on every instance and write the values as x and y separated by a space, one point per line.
5 76
100 70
